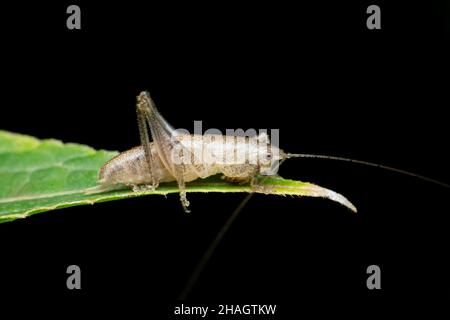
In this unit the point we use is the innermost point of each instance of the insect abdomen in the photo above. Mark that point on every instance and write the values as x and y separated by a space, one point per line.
130 168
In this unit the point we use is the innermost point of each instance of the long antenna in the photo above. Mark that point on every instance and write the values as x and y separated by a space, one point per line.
211 248
366 163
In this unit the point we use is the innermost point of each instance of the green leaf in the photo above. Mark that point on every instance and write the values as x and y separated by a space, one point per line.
41 175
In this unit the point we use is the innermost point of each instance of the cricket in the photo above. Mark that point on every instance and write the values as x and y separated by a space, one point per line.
174 156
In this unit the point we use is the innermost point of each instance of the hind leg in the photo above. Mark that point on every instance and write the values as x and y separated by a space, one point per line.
145 142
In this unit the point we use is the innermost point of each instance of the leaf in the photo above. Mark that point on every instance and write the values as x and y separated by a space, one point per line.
41 175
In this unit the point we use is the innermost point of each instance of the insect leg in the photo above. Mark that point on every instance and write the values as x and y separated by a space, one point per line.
166 142
241 174
161 131
179 170
145 142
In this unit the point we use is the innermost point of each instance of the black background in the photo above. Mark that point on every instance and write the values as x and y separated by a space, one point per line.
313 71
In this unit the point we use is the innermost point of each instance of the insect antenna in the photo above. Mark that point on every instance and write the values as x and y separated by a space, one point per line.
201 264
367 163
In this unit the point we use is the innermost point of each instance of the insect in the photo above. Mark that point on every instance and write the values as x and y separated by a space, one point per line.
181 157
173 156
